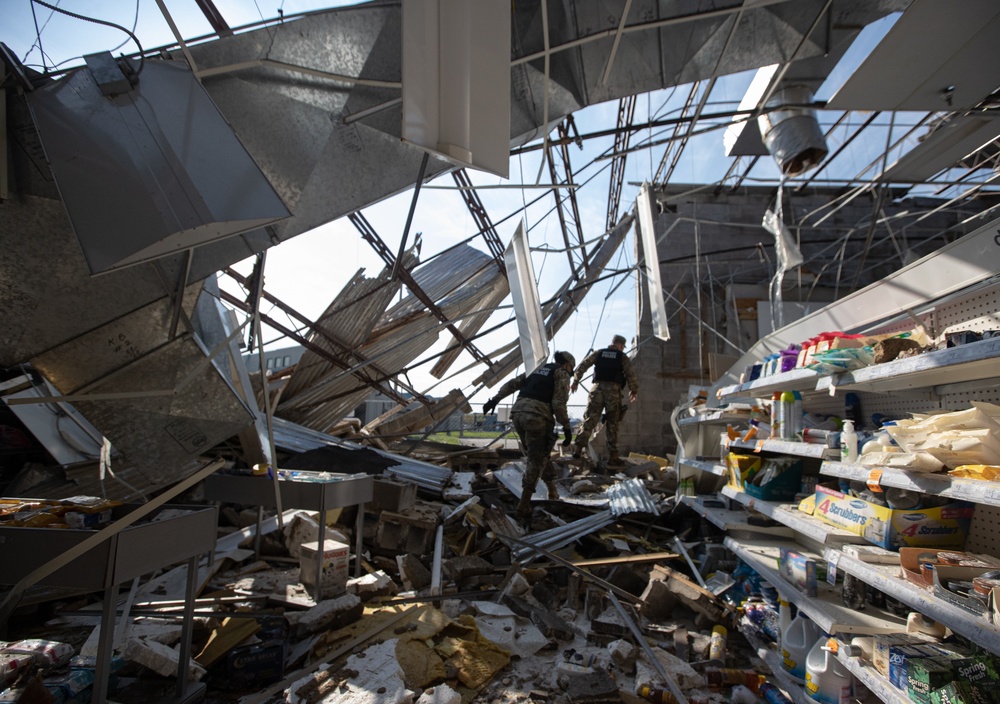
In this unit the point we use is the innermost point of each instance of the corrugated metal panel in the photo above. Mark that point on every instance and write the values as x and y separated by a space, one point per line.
349 319
462 280
630 496
555 538
291 436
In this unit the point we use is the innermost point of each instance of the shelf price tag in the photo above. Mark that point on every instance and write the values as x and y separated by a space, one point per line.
831 568
759 446
874 479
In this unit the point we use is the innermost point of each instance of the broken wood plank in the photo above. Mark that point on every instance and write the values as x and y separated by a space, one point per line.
230 633
623 559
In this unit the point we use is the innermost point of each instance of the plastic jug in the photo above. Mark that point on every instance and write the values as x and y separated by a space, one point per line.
795 644
828 680
784 617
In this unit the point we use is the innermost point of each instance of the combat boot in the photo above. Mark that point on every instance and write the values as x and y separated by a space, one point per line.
577 451
615 460
553 490
523 510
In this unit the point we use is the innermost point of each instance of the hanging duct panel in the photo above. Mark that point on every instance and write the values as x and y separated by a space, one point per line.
150 171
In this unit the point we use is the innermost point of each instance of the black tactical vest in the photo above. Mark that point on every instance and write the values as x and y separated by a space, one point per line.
608 366
541 383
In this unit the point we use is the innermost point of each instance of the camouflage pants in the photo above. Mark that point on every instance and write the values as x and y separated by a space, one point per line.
537 438
605 397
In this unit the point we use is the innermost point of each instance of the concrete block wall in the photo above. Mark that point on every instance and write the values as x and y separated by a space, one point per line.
709 242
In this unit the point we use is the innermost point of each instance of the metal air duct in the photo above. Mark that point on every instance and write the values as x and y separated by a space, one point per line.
792 135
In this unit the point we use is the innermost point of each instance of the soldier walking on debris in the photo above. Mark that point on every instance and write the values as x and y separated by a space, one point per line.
540 403
612 371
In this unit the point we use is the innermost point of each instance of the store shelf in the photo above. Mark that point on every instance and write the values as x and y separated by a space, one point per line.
870 678
887 578
971 362
826 609
772 658
719 416
708 466
975 490
794 380
789 515
787 447
731 520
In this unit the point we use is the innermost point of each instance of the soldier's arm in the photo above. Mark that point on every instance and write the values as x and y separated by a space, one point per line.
631 378
510 387
586 364
560 396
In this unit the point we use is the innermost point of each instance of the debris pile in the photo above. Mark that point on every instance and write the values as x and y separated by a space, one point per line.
592 600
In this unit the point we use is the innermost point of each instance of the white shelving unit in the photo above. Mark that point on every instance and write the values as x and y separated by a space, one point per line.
787 447
794 380
715 468
954 289
732 520
826 609
872 679
942 368
974 490
720 417
887 578
789 515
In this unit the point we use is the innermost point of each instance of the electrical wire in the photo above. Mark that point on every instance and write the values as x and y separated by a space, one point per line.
142 59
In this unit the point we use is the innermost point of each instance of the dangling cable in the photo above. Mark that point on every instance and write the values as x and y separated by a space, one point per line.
142 59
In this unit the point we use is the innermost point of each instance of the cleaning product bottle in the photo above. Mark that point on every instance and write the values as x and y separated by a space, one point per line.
828 680
795 644
773 695
796 413
776 419
784 618
787 415
918 623
717 647
848 443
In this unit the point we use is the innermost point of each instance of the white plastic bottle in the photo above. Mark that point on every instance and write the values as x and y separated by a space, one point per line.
848 443
796 641
784 617
828 681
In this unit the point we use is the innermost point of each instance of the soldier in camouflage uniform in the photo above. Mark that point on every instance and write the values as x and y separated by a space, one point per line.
540 403
612 371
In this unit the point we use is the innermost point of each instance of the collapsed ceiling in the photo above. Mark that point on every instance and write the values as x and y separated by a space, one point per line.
145 351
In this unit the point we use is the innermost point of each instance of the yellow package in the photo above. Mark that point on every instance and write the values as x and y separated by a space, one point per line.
989 472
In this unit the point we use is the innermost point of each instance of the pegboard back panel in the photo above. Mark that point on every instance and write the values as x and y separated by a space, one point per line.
978 310
964 399
984 535
888 405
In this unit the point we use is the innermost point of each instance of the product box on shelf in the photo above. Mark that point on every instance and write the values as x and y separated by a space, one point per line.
776 481
741 468
963 693
940 527
924 675
798 570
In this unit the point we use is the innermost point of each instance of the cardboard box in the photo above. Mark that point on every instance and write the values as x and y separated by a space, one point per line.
900 657
336 557
883 644
252 667
962 693
940 527
798 570
741 468
924 675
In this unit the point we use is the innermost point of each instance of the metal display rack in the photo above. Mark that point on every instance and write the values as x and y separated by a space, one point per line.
963 295
185 534
789 515
310 491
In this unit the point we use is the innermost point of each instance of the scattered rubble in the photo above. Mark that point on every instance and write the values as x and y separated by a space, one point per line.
444 612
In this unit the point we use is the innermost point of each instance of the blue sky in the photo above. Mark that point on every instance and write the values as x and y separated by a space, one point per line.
309 270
